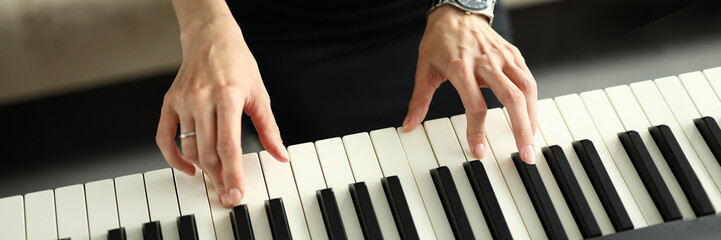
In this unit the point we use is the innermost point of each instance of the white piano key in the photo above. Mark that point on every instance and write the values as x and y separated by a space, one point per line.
102 208
280 183
495 176
633 118
255 196
220 214
40 215
421 159
12 223
309 179
713 76
163 201
581 127
338 175
193 199
680 119
609 125
132 204
503 144
449 153
393 162
556 133
365 167
71 212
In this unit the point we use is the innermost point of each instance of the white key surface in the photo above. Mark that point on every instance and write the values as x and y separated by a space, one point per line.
449 153
581 127
713 75
193 199
102 208
71 212
495 176
633 118
421 159
40 215
220 214
393 162
280 183
132 204
365 167
163 201
338 175
309 179
12 223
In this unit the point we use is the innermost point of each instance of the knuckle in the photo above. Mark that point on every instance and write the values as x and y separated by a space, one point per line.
511 96
226 148
476 135
209 161
476 109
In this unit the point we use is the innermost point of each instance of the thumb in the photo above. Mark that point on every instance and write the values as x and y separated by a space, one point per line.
268 132
425 86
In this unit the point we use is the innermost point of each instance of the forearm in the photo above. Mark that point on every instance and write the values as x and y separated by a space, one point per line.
195 16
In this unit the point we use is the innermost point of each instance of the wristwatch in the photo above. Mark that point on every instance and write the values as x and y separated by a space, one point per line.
483 7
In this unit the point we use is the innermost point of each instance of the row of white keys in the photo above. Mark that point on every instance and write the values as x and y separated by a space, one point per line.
70 209
556 133
683 128
495 176
609 125
12 223
132 204
163 201
365 167
421 159
714 78
101 207
581 127
193 199
40 215
502 142
309 179
449 153
393 162
338 176
633 118
280 183
707 104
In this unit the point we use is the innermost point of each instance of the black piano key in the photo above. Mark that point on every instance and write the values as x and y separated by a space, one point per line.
399 207
711 133
364 209
681 168
540 198
277 219
596 172
240 222
151 231
331 214
117 234
456 214
486 198
187 228
650 176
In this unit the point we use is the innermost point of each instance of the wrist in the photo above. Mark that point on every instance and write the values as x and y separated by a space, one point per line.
449 11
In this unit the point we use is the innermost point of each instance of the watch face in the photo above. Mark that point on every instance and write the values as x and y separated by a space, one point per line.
474 4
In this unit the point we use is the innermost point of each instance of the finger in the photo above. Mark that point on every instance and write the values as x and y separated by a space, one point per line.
532 101
421 99
268 132
465 83
188 144
205 131
229 113
527 85
165 138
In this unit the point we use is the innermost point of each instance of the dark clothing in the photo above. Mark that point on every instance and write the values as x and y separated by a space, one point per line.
336 68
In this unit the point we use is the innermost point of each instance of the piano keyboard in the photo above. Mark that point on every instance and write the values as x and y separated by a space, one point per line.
609 162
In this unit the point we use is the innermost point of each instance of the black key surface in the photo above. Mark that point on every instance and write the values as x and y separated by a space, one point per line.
650 176
331 215
240 222
711 134
399 207
187 228
117 234
602 184
151 231
448 193
540 198
277 219
681 168
487 200
364 209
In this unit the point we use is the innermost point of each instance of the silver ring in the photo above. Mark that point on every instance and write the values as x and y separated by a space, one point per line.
188 134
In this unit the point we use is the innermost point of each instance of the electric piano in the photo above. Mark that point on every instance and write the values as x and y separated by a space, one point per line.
637 161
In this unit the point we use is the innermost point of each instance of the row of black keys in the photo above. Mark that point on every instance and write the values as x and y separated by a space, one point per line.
486 198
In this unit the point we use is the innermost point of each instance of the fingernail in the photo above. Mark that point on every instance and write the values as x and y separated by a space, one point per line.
529 154
189 172
235 196
225 200
478 150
